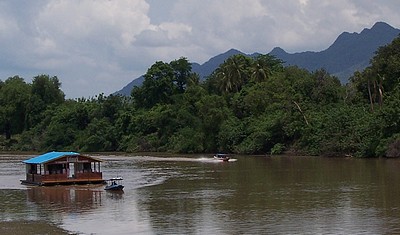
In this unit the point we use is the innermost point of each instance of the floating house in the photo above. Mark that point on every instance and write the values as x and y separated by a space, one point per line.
57 168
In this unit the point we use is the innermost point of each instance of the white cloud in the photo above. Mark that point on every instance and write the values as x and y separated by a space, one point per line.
166 34
81 26
82 40
175 30
98 46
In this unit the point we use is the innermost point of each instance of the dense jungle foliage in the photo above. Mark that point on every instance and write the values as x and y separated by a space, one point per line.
248 106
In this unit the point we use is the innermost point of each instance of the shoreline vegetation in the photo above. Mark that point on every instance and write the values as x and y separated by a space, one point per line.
247 106
29 154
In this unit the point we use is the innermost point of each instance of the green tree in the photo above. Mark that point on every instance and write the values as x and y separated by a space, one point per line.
182 73
99 136
187 135
231 134
264 66
158 86
162 81
47 89
14 96
382 76
385 66
326 89
187 140
262 133
45 92
109 107
388 125
232 75
212 111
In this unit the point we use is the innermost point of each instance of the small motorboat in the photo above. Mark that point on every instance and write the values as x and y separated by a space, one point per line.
114 184
222 157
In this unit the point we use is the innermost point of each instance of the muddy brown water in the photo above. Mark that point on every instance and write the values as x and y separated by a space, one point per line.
197 195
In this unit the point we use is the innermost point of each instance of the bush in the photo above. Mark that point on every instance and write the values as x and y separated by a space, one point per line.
187 140
394 149
278 149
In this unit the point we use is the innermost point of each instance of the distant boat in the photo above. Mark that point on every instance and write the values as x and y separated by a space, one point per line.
114 184
222 157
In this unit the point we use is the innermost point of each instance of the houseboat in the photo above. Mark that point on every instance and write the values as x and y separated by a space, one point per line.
61 168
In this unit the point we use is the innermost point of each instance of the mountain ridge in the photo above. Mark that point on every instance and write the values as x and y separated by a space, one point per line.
348 53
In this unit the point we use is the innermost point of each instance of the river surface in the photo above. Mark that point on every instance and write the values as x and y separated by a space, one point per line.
197 195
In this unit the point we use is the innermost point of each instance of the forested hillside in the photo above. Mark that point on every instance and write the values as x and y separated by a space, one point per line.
247 105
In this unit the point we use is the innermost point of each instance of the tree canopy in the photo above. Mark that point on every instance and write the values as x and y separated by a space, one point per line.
248 105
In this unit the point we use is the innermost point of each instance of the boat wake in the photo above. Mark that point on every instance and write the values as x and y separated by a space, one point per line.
178 159
163 159
212 160
186 159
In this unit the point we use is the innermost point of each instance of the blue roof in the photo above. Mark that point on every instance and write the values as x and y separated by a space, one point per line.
47 157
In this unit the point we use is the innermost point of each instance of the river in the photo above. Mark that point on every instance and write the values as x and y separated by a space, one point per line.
197 195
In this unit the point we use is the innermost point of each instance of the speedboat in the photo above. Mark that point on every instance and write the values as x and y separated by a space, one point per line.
222 157
114 184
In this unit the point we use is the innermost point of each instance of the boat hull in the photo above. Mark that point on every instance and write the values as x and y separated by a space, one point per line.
225 159
114 187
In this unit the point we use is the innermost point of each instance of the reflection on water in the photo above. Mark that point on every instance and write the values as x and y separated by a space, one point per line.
197 195
66 199
115 195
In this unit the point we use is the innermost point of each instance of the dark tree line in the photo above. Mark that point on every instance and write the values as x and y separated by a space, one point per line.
247 105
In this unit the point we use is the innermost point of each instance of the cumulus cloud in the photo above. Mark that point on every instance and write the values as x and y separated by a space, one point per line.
75 40
294 24
98 46
91 32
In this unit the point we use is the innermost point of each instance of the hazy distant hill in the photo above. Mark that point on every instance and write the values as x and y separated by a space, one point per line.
350 52
208 67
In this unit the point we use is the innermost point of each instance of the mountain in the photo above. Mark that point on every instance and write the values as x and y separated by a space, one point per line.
350 52
208 67
126 90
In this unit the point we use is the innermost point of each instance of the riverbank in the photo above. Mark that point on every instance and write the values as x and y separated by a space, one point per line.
31 227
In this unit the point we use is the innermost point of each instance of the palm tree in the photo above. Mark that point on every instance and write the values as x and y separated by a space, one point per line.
233 73
263 67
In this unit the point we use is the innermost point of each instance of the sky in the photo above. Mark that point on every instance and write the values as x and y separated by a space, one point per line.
99 46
